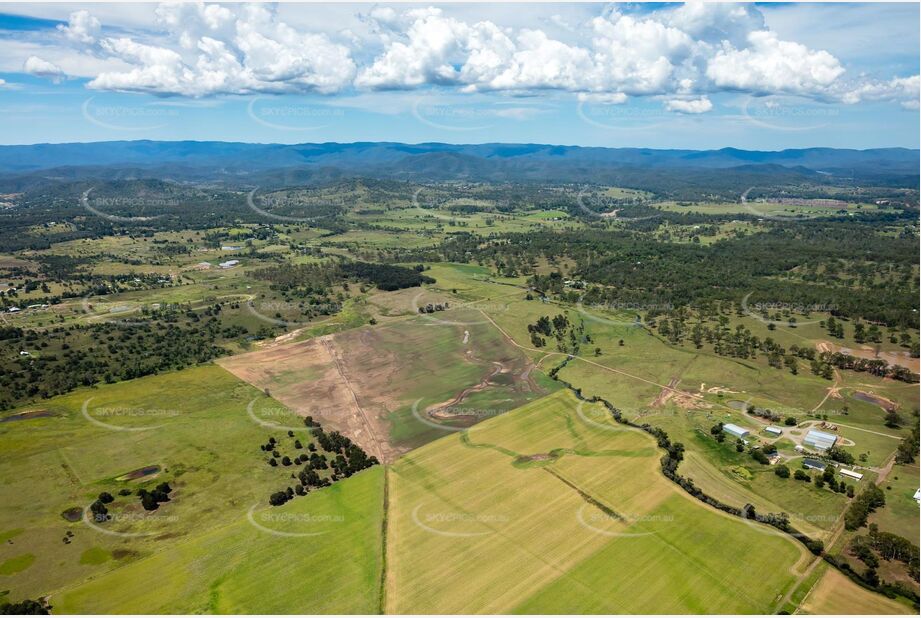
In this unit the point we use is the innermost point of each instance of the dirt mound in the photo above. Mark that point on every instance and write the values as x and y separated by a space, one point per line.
682 399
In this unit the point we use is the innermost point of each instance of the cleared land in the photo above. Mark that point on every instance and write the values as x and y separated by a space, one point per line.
400 385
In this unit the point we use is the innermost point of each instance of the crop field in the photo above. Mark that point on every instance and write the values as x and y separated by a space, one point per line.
834 593
594 527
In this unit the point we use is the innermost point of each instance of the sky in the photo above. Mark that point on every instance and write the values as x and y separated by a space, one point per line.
756 76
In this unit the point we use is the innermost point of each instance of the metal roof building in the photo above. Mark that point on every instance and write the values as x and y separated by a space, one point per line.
819 440
774 431
851 473
813 464
735 430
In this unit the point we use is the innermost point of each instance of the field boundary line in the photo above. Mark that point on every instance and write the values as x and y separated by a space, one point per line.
382 592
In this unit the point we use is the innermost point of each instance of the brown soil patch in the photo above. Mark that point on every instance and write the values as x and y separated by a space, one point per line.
682 399
716 390
121 554
537 457
353 381
902 358
310 378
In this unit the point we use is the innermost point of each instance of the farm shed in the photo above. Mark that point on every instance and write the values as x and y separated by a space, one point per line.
819 440
735 430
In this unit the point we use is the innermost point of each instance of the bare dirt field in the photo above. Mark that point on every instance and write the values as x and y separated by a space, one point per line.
307 377
864 351
366 382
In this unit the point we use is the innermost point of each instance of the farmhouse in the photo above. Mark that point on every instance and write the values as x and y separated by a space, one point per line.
735 430
813 464
774 431
819 440
851 474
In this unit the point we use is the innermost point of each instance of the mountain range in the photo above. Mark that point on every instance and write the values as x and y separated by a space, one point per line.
247 163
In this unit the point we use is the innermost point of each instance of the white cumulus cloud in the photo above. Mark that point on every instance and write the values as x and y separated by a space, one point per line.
223 53
689 106
683 54
770 65
906 90
81 27
42 68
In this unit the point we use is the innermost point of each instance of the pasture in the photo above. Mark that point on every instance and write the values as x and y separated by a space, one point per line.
193 429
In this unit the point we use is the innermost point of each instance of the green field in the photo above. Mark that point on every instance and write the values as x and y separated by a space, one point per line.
193 424
327 560
461 542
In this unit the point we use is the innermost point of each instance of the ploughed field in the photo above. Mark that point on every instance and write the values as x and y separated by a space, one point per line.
397 386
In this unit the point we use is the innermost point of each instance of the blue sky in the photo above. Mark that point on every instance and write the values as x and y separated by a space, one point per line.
664 76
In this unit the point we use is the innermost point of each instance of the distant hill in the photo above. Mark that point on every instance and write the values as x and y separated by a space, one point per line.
234 162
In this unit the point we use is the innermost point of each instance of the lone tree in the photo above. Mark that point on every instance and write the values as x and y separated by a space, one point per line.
893 420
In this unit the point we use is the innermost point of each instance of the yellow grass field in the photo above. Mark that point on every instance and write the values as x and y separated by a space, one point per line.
836 594
592 527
